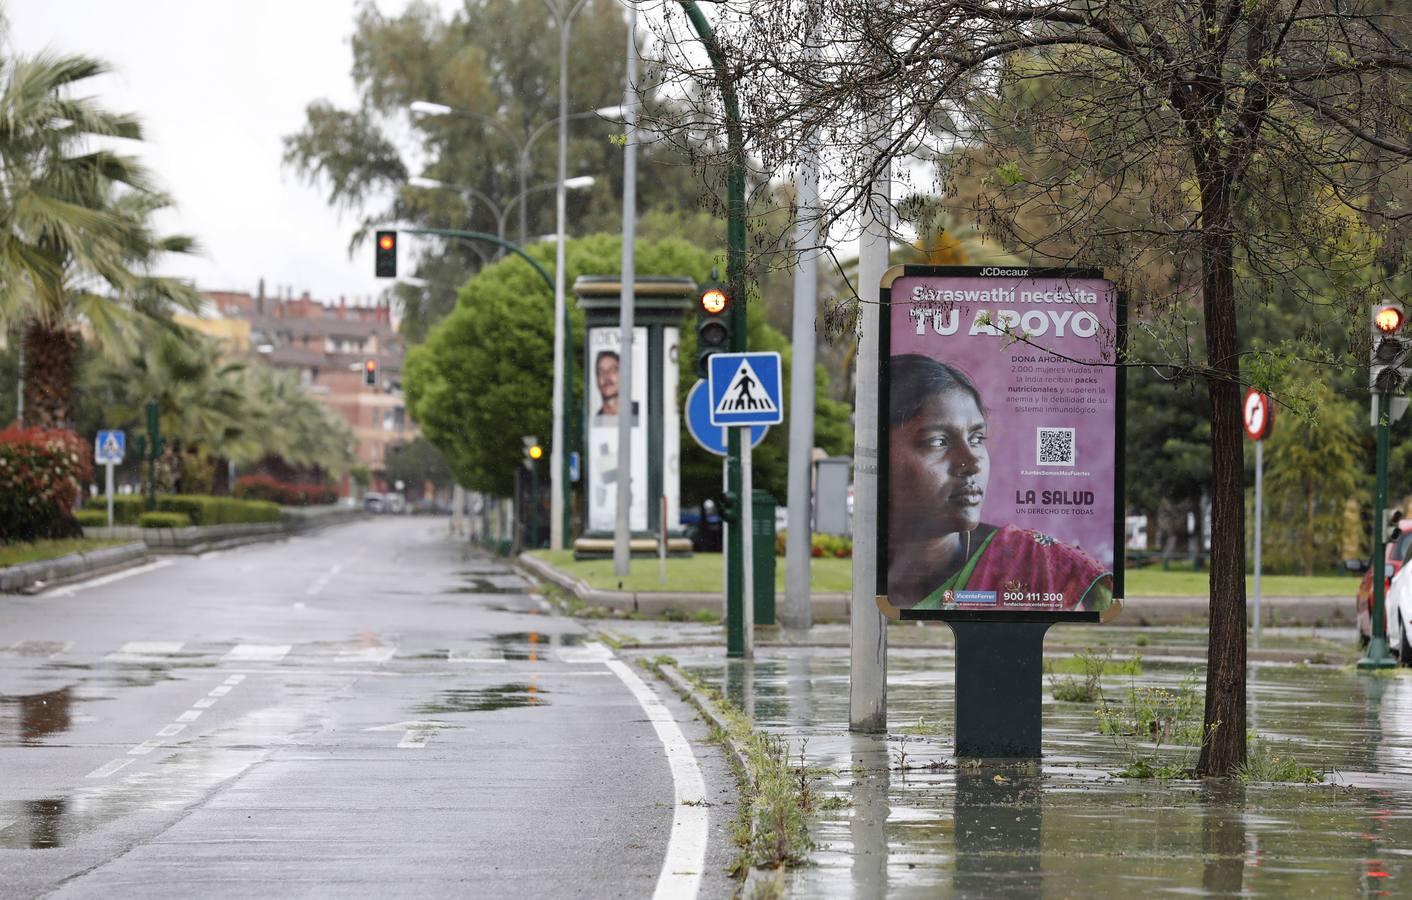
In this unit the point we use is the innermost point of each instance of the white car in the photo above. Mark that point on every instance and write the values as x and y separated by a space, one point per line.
1397 606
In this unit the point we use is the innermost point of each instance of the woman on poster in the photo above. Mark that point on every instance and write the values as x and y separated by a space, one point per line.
938 549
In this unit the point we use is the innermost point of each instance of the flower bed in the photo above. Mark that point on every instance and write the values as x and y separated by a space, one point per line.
41 475
266 487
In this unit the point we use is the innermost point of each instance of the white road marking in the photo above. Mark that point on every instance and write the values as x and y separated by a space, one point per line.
6 823
171 731
235 679
191 715
686 848
416 734
322 581
476 656
219 691
144 748
104 771
367 654
152 648
592 652
72 589
258 652
205 702
50 649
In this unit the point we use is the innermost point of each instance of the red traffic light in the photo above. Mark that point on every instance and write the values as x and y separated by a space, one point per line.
387 241
371 365
1388 319
714 301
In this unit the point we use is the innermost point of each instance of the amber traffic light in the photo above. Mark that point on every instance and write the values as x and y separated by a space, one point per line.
386 253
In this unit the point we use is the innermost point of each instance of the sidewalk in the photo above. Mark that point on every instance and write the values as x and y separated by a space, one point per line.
898 813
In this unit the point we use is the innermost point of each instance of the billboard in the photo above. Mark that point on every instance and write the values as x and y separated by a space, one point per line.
1000 487
604 407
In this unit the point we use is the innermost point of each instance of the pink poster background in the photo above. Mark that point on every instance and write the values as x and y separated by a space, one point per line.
1025 388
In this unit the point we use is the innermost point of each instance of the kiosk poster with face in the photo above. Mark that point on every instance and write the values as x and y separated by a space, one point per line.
604 406
1000 431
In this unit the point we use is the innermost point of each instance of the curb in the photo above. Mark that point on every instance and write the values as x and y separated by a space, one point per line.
197 539
827 606
704 706
832 607
17 579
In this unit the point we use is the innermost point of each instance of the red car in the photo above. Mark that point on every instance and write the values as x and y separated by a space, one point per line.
1396 553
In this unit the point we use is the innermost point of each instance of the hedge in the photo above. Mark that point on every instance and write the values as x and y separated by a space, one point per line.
266 487
126 508
163 520
94 518
41 474
204 510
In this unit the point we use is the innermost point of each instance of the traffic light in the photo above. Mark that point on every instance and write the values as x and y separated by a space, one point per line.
1387 372
534 451
728 503
713 321
370 372
1389 348
386 254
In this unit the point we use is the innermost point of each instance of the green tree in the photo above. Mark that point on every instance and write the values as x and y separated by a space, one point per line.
1314 464
76 243
415 464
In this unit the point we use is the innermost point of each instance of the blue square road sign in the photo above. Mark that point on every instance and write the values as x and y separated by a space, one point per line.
746 389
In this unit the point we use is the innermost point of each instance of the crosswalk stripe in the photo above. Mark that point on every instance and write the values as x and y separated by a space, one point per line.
476 656
258 652
367 654
592 652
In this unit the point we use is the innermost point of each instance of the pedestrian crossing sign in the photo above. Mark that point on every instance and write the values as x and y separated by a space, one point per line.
746 389
109 447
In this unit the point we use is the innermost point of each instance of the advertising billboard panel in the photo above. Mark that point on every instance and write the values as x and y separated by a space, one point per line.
1000 415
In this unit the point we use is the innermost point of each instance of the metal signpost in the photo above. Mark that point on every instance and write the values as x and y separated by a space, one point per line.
1000 492
1259 417
109 448
744 391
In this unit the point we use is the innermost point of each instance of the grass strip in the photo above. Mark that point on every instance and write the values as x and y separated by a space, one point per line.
37 551
776 805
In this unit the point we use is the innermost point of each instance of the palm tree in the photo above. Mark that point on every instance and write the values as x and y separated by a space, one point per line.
76 247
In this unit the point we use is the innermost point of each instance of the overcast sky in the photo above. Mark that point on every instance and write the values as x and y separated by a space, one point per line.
217 84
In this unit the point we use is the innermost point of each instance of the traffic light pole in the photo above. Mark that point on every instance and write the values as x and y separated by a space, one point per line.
736 289
1378 656
570 429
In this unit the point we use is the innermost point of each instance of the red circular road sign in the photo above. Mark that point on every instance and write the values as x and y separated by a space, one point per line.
1258 415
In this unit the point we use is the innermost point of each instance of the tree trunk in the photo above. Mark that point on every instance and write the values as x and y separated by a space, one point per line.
51 358
1224 750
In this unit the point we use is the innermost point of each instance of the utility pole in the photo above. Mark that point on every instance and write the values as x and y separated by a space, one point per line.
867 684
622 521
797 611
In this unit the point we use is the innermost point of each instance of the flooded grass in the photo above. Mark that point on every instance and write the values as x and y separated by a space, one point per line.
1071 826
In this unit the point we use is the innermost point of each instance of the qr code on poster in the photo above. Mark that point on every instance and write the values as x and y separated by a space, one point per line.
1054 446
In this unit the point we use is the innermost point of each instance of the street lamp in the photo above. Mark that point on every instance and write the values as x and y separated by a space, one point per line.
497 210
522 164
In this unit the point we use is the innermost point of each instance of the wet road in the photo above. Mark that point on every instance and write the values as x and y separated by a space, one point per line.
372 710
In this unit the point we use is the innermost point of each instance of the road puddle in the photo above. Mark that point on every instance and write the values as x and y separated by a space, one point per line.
27 719
505 696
